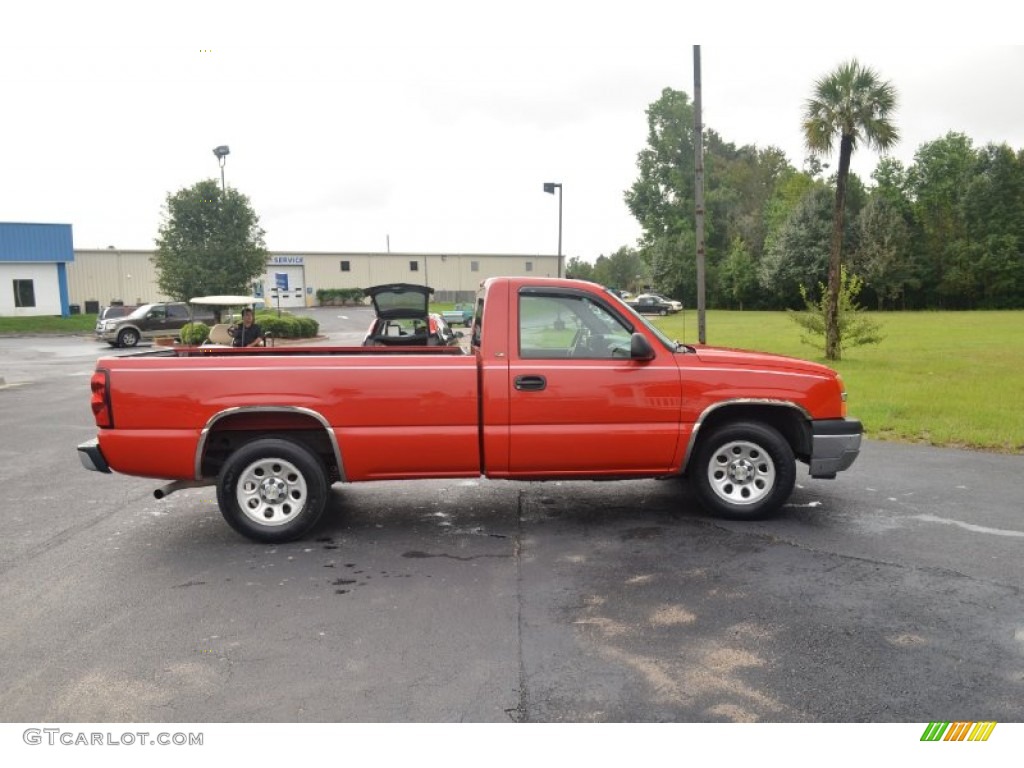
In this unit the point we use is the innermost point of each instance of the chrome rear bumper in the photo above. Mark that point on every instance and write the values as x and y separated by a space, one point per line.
91 456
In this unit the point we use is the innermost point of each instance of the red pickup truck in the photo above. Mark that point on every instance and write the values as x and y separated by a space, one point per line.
562 381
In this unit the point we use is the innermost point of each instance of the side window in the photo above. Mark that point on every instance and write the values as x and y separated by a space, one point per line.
477 323
158 312
570 327
177 312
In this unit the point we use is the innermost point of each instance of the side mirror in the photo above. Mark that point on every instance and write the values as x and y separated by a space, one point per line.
640 348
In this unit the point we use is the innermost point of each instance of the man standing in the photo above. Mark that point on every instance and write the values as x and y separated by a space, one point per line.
248 334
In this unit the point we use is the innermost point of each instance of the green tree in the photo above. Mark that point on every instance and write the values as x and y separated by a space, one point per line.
579 269
619 270
855 105
856 327
938 181
210 242
797 252
738 275
741 203
883 250
993 209
661 199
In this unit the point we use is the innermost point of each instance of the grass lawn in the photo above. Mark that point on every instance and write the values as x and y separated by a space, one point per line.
55 325
944 378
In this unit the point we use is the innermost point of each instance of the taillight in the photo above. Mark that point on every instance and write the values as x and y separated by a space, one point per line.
100 402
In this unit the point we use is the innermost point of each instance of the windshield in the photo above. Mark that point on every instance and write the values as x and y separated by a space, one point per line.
641 320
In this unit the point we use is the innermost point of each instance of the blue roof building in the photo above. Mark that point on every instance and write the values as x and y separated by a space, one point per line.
33 269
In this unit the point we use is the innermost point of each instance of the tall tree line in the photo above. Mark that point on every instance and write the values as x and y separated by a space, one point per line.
945 233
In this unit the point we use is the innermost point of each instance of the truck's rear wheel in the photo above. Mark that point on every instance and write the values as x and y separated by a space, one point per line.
744 471
272 490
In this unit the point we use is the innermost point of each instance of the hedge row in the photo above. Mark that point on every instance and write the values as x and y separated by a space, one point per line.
287 326
325 296
284 327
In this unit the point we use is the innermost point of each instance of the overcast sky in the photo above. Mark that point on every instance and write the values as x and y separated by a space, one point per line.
433 125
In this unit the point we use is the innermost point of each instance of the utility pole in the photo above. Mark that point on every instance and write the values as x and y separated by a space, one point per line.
698 165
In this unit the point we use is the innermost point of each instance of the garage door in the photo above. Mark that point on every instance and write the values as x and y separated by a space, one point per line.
288 284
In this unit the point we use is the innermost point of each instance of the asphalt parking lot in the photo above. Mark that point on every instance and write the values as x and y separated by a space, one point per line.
891 594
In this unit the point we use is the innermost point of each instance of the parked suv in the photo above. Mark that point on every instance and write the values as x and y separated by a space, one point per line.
112 313
148 322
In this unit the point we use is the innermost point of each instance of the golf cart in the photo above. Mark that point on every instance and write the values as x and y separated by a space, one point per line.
228 312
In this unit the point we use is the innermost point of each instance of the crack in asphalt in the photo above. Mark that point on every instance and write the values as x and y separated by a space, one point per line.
464 558
518 714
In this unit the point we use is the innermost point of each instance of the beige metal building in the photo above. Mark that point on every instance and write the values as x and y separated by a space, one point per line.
101 277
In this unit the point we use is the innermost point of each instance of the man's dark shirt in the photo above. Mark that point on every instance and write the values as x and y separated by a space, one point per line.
246 336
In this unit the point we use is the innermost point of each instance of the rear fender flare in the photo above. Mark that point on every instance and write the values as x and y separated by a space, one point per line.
308 412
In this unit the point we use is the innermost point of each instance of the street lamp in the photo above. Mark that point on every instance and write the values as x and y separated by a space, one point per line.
550 187
221 154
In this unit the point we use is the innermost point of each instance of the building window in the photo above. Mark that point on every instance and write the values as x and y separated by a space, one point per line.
529 266
474 266
414 266
24 293
346 266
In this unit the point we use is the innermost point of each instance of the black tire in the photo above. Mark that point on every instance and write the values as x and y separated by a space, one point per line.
662 311
743 471
272 490
129 337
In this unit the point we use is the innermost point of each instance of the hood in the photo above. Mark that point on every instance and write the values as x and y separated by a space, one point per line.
725 356
398 300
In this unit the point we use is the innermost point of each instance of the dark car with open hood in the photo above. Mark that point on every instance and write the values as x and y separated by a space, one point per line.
403 318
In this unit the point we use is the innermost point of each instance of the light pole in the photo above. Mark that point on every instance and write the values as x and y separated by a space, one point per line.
221 154
550 187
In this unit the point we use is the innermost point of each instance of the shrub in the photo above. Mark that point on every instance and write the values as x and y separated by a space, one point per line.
194 334
855 328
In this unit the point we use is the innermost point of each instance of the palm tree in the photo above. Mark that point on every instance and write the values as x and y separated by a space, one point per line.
853 104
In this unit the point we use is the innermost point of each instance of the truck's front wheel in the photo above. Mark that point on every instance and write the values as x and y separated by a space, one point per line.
272 490
744 471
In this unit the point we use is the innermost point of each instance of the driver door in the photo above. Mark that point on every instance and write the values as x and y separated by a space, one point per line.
579 405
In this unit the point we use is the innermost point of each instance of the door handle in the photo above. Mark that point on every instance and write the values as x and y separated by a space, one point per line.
530 383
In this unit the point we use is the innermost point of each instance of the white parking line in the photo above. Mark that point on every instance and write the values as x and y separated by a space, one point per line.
968 526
